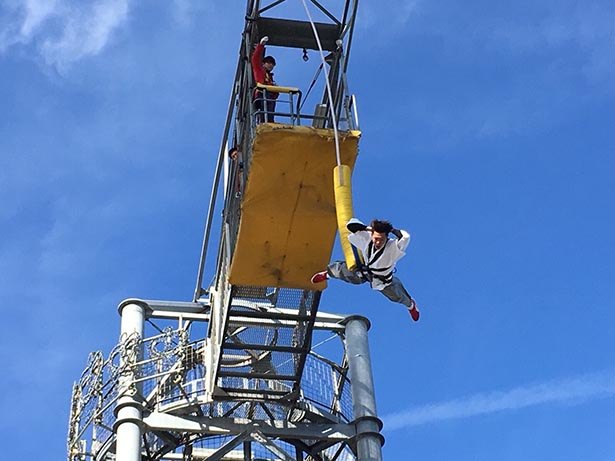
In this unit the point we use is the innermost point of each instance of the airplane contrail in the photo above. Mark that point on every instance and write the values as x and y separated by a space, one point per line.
580 388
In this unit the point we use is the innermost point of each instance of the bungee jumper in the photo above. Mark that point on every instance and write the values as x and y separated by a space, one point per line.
380 254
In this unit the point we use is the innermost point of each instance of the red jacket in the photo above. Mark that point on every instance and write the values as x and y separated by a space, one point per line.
261 75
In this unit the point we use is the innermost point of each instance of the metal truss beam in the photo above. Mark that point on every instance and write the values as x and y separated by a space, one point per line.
230 426
204 453
200 311
261 438
221 452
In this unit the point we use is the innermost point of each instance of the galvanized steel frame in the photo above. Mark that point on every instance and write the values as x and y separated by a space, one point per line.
127 375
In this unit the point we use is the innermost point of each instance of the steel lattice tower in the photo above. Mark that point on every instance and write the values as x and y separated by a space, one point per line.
235 373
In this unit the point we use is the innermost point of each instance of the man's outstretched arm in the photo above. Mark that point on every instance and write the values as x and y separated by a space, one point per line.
257 61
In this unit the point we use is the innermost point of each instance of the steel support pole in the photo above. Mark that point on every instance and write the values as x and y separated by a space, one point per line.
129 408
369 441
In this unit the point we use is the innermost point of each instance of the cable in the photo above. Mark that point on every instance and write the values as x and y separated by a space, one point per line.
318 71
328 84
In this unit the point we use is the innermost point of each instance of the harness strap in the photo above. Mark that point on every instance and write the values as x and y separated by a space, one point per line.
368 272
373 258
384 269
384 278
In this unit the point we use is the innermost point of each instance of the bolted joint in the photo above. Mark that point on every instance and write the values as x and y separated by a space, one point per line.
136 421
127 402
356 317
368 426
127 412
147 310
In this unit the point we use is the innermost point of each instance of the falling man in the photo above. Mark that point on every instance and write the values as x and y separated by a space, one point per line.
380 254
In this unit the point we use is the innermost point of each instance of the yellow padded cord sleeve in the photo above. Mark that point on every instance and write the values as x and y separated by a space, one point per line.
343 209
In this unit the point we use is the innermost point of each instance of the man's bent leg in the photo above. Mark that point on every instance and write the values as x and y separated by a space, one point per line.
270 111
339 270
398 294
259 107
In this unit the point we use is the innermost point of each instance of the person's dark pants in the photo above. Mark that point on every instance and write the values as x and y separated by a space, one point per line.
395 290
260 105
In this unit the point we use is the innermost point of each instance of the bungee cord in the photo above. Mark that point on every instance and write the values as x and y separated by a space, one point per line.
328 86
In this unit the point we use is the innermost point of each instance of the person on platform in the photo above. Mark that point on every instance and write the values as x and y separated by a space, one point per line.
262 67
235 155
380 254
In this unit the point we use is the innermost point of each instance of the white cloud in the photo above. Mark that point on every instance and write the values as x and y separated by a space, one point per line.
62 31
37 12
187 13
560 31
545 28
372 17
183 12
86 32
586 26
549 60
571 390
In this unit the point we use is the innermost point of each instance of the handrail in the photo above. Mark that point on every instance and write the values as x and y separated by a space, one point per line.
264 90
278 89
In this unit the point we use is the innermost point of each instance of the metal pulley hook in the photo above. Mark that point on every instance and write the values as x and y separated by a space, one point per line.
306 58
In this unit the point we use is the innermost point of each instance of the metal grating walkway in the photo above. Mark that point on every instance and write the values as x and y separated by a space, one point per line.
265 344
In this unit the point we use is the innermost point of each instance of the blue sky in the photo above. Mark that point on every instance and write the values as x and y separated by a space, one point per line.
487 133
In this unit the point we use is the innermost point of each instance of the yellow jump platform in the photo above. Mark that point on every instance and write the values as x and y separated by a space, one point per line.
288 221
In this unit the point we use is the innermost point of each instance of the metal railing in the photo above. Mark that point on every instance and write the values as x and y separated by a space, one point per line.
266 103
171 377
267 97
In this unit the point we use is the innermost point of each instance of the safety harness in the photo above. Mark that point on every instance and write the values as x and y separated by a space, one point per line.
369 273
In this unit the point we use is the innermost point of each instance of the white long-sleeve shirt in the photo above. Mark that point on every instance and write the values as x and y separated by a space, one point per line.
381 263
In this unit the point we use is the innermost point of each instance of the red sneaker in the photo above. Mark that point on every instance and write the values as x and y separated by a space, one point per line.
414 312
319 277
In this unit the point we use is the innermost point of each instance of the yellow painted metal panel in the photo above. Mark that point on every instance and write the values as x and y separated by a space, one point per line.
288 220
